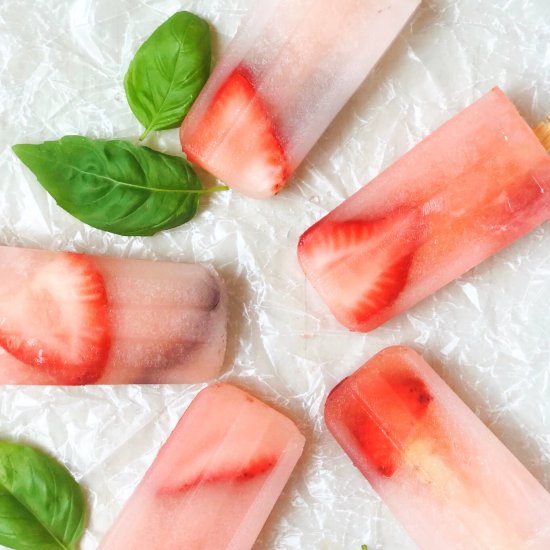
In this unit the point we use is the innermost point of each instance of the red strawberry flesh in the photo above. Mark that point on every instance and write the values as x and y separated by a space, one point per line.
382 434
236 141
58 321
236 446
360 267
383 414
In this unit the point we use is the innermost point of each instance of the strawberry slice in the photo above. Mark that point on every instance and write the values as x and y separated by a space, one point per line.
387 418
58 322
226 449
360 267
235 140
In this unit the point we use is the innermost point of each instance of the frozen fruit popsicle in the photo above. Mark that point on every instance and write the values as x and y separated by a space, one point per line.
471 188
443 474
289 70
76 319
216 479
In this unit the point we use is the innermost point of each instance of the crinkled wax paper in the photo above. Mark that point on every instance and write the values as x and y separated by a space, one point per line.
61 68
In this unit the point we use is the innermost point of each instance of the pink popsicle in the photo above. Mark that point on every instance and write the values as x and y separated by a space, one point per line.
471 188
78 319
216 479
440 470
291 67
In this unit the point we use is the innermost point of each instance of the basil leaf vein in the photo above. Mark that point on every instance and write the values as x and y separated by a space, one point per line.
114 185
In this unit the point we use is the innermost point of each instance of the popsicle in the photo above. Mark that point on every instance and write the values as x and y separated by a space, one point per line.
471 188
70 319
291 67
216 479
439 469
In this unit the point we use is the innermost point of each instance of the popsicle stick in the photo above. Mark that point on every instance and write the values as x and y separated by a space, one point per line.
542 131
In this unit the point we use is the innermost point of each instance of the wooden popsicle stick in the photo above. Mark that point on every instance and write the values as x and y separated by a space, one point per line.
542 131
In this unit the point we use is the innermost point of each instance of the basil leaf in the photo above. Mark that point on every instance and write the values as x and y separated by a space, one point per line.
168 72
115 185
41 505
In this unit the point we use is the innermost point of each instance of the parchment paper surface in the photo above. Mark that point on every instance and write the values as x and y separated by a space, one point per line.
62 64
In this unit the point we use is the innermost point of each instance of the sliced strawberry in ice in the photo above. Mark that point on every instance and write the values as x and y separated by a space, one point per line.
383 431
359 267
226 450
59 321
236 141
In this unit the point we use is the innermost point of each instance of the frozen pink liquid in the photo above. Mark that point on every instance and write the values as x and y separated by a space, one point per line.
444 475
475 185
216 479
160 322
300 61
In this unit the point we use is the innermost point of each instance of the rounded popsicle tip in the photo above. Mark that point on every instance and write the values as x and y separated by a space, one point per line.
335 407
333 396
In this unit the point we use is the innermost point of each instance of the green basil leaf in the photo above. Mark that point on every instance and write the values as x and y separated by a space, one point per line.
115 185
41 505
168 72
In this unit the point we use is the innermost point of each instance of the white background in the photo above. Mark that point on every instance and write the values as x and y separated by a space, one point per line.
62 64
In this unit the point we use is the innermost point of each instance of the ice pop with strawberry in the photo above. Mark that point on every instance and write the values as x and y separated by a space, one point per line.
291 67
475 185
216 479
440 470
71 319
